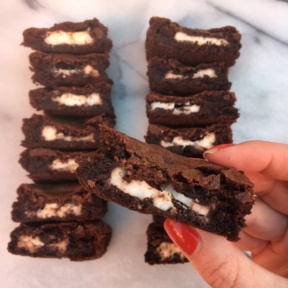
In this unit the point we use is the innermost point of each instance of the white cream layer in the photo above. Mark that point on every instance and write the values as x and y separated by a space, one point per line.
49 133
54 210
69 99
60 37
70 165
166 250
200 40
162 199
32 244
170 75
29 243
205 72
186 108
87 70
205 143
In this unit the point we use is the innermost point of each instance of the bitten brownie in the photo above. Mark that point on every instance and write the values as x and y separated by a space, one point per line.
85 37
56 202
50 165
204 108
192 46
150 179
86 101
73 240
63 133
160 248
169 76
67 69
189 141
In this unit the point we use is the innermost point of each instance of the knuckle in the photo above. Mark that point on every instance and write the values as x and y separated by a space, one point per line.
221 275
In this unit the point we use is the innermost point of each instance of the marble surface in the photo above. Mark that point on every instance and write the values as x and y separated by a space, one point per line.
260 81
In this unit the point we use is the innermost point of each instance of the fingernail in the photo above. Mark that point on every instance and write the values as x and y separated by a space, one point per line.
182 235
217 148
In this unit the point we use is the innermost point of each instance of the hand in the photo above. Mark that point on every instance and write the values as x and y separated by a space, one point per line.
221 263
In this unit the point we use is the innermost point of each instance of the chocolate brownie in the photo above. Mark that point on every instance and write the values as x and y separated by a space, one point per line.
161 249
63 133
90 100
192 46
85 37
67 69
73 240
204 108
56 202
169 76
150 179
189 141
47 165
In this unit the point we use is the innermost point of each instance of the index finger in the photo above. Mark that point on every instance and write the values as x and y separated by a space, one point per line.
267 158
265 163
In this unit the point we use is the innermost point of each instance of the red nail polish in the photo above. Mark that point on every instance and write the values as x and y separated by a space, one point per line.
216 148
221 146
182 235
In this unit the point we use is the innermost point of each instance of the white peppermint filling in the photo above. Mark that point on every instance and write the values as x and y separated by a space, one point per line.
88 70
186 108
60 37
205 72
205 143
69 99
49 133
32 244
162 199
171 75
54 210
199 74
166 250
60 246
200 40
29 243
70 165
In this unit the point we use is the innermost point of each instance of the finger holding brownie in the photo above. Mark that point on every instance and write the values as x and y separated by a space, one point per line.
222 263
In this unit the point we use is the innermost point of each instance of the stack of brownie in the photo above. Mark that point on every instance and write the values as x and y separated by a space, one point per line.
190 108
58 217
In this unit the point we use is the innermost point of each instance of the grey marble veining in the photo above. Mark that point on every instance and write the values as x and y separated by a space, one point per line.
260 81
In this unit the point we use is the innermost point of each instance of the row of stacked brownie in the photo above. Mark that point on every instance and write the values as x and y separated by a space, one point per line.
189 107
58 217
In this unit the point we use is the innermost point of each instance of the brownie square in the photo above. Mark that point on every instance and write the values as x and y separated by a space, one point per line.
192 46
189 141
87 101
56 202
73 240
85 37
67 69
63 133
169 76
50 165
201 109
152 180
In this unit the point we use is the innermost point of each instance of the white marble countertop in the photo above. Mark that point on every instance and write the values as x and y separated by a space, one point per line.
260 81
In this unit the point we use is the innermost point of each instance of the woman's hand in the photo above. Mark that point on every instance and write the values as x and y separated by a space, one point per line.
219 261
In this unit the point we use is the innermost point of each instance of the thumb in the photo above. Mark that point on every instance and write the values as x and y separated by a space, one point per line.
218 261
